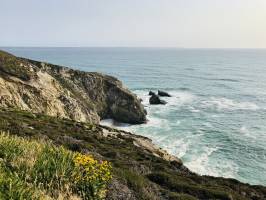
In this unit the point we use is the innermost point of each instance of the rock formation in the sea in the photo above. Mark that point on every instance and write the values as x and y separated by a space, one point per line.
151 93
163 94
66 93
155 100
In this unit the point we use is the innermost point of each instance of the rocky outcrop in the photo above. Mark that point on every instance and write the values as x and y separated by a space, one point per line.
163 94
155 100
142 142
66 93
151 93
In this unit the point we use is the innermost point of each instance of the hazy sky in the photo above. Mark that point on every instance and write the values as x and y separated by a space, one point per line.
161 23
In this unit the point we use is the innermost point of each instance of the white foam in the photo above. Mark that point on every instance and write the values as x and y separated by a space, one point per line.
143 95
158 128
153 121
229 104
225 168
157 123
243 130
199 163
179 144
177 147
178 122
180 98
107 122
202 165
177 97
193 109
113 123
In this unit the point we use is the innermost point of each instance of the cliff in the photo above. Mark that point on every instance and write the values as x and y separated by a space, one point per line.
66 93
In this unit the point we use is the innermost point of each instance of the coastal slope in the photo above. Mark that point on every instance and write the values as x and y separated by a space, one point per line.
66 93
141 171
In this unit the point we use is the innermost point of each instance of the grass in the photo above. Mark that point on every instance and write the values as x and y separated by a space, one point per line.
31 169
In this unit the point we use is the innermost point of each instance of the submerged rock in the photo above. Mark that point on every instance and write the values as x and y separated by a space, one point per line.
163 94
155 99
66 93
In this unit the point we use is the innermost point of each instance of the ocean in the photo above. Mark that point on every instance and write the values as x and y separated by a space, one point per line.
215 120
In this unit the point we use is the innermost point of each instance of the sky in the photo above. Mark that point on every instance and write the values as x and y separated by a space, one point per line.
134 23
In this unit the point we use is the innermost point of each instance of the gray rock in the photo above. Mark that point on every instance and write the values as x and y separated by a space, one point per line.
155 99
163 94
151 93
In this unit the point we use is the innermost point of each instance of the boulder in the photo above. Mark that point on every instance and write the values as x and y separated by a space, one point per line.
155 99
163 94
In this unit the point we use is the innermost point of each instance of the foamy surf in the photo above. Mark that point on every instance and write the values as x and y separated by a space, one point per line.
200 162
169 133
113 123
229 104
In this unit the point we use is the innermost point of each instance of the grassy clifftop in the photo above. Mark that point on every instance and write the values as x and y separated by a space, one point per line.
138 172
14 66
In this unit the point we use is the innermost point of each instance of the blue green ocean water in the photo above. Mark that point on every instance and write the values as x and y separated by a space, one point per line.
215 121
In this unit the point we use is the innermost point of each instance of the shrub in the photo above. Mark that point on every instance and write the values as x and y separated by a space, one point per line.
40 170
91 176
177 184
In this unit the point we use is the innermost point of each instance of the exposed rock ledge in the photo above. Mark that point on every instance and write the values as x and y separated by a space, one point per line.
66 93
142 142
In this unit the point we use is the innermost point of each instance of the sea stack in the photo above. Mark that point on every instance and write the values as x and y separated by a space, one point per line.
151 93
163 94
155 100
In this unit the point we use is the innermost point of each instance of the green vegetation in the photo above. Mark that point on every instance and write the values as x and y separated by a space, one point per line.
179 184
9 64
145 175
40 170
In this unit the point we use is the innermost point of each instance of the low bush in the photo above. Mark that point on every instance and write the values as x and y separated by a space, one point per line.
40 170
177 184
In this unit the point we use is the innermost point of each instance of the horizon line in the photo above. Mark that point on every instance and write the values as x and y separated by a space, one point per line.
148 47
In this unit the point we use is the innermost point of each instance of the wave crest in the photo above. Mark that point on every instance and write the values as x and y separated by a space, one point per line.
229 104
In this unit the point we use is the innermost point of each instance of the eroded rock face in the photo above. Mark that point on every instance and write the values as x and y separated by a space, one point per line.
63 92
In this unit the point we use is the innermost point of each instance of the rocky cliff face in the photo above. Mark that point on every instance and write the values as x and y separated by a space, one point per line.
60 91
